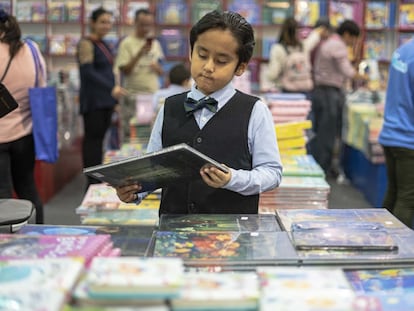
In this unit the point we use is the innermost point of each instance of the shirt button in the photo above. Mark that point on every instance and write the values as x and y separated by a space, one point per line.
199 140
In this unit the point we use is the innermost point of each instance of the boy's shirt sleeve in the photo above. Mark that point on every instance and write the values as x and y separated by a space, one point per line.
266 173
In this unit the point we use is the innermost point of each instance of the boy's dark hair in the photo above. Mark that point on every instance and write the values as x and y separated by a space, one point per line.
11 33
178 74
350 27
141 11
235 23
98 12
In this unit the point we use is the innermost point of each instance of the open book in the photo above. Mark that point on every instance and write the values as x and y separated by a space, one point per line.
156 169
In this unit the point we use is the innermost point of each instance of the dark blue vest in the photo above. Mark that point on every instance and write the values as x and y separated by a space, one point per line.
225 139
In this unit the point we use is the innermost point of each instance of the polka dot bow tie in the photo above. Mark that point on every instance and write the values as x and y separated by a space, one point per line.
191 105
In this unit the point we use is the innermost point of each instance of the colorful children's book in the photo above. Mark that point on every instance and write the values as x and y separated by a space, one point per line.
377 14
33 299
406 15
45 273
138 216
218 222
17 246
202 7
172 12
218 291
249 9
223 247
305 289
135 277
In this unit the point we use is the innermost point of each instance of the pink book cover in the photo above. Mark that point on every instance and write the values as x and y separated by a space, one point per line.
16 246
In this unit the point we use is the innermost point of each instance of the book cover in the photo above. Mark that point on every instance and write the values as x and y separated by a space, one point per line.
340 11
249 9
38 12
223 247
218 291
56 12
218 222
139 216
173 42
23 12
331 216
341 236
377 14
178 163
276 11
406 15
375 47
33 299
32 229
48 273
307 12
292 288
202 7
134 277
17 246
172 12
74 11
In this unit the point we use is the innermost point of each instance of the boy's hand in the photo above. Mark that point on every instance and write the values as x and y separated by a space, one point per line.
128 193
214 177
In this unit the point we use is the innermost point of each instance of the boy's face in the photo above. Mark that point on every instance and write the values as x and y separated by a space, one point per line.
214 60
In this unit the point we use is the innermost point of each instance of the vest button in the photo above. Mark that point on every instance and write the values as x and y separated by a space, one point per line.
199 140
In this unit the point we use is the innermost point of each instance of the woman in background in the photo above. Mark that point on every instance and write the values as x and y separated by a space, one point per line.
98 90
288 43
17 153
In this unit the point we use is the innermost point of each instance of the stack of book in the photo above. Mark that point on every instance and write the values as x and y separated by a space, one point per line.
296 192
218 291
288 107
292 137
130 281
101 206
291 288
303 186
38 284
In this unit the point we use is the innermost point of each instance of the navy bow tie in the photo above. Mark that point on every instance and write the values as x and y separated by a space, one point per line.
191 105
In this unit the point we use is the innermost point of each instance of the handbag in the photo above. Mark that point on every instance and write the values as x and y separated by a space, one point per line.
43 105
7 101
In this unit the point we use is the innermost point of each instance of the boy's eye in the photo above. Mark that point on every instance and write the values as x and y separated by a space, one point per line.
221 61
202 55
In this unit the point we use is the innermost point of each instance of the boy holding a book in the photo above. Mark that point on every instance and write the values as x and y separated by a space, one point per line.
213 117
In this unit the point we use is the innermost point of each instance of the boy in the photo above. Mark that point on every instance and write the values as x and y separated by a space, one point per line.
238 132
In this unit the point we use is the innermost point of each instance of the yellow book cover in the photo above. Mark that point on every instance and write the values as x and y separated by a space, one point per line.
291 143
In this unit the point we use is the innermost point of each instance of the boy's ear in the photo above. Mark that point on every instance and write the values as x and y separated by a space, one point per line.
240 69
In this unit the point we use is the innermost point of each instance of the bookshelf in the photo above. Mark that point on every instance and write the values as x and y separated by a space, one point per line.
57 25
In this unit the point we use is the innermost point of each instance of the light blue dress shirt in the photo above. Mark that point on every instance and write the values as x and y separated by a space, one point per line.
266 173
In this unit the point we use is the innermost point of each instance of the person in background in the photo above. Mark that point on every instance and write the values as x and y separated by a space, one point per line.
327 29
236 128
99 92
138 59
179 78
17 153
288 43
332 68
397 135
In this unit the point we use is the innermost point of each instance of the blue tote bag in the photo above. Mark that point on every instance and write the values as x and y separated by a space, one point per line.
43 104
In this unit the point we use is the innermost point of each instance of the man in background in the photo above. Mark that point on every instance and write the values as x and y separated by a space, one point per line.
138 60
332 69
397 135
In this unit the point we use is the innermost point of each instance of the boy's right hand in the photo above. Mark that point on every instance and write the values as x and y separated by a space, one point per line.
128 193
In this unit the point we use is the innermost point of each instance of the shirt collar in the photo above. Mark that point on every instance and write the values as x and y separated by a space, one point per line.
222 96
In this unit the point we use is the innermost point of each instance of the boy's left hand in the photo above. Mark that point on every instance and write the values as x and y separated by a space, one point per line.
214 177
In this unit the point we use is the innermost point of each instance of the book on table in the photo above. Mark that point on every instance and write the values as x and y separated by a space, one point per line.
309 235
177 163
